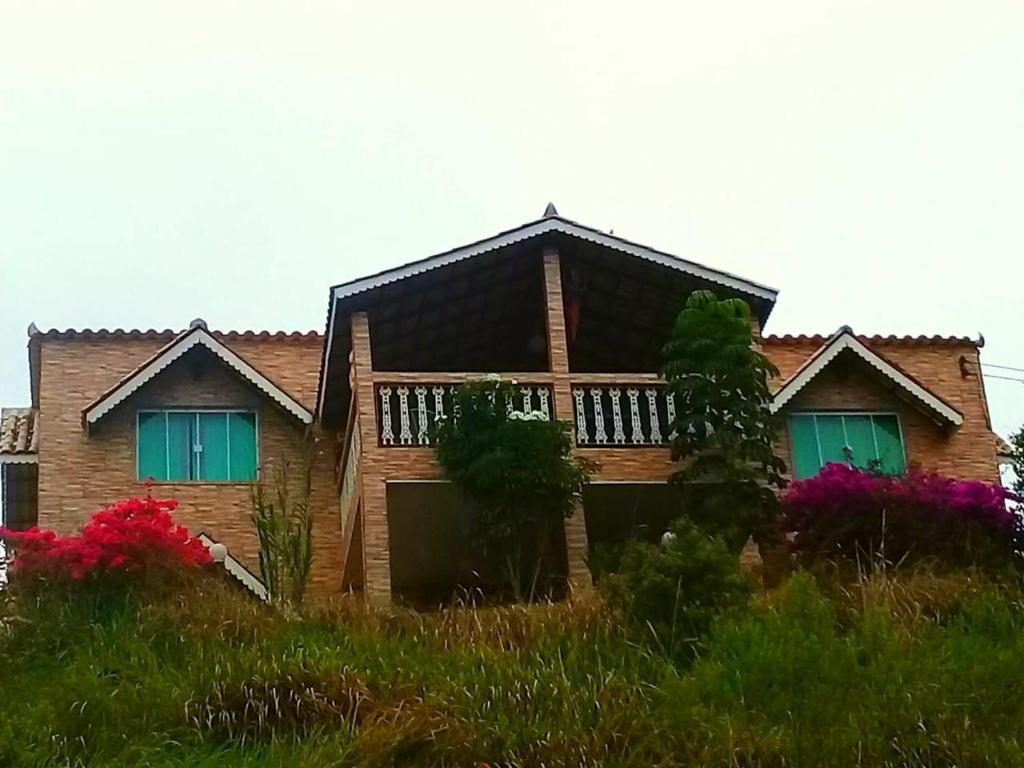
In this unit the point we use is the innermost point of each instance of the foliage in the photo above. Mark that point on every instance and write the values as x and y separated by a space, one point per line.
519 472
792 685
672 591
1017 460
212 678
283 518
723 430
848 513
132 541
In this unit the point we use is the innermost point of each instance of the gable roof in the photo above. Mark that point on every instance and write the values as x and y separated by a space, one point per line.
343 296
552 222
19 435
196 336
844 340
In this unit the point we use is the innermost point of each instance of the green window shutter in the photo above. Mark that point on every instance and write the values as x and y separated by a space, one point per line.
242 441
804 442
152 446
831 438
180 438
213 436
890 444
860 437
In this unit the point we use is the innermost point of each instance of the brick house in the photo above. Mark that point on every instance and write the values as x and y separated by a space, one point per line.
575 316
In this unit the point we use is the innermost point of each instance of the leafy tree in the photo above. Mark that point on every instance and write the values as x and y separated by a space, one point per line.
518 470
1017 460
724 431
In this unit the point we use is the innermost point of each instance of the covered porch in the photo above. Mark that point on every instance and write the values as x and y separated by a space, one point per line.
574 317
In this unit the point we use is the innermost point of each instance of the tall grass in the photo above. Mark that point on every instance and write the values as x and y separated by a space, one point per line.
912 669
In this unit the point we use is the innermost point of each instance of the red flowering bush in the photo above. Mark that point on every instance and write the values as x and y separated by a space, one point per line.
850 513
133 540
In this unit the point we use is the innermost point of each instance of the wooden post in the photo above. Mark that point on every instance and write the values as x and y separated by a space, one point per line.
375 549
558 361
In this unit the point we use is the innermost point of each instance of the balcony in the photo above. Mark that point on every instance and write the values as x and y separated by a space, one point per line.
608 410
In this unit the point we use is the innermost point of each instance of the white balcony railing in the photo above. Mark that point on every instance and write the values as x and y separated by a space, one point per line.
407 413
622 416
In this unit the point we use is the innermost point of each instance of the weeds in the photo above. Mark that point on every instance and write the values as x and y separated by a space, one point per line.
893 668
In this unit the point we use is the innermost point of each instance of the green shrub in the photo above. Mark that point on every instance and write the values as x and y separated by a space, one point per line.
672 591
917 669
519 471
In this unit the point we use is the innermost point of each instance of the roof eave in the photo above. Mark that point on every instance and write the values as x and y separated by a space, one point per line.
563 226
844 340
195 336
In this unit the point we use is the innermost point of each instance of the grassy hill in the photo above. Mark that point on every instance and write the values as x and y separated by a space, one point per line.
913 670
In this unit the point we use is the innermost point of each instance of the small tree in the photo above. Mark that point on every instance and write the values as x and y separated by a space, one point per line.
724 430
672 591
518 470
284 526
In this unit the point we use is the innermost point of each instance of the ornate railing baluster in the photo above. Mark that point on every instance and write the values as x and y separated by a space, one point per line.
527 399
387 436
619 435
582 435
600 437
670 410
456 408
652 410
542 395
422 437
637 435
405 432
438 402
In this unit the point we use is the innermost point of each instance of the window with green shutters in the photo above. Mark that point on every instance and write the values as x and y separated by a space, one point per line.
859 439
197 446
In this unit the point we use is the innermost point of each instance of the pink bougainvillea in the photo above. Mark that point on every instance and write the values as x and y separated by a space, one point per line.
848 512
133 536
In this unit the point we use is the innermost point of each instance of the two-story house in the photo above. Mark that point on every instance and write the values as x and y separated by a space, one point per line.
575 316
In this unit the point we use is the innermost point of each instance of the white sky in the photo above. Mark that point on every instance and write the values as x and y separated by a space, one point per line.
160 162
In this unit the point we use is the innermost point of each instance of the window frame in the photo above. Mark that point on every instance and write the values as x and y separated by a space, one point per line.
196 411
815 413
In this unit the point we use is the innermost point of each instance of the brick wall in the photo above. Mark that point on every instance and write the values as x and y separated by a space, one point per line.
966 452
79 473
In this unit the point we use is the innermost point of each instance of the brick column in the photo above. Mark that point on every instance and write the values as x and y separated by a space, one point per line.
558 360
376 555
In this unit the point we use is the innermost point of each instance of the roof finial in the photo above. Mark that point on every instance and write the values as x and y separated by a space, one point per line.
32 329
550 211
198 323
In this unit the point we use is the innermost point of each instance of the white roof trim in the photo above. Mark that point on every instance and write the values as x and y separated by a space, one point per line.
233 566
18 458
564 226
327 358
198 336
847 341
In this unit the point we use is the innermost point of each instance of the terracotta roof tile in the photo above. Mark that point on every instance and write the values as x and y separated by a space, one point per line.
18 433
165 335
876 339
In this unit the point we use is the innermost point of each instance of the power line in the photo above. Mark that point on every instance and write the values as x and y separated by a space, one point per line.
1004 378
1002 367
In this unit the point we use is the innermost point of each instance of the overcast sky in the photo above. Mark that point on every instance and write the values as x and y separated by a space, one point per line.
160 162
